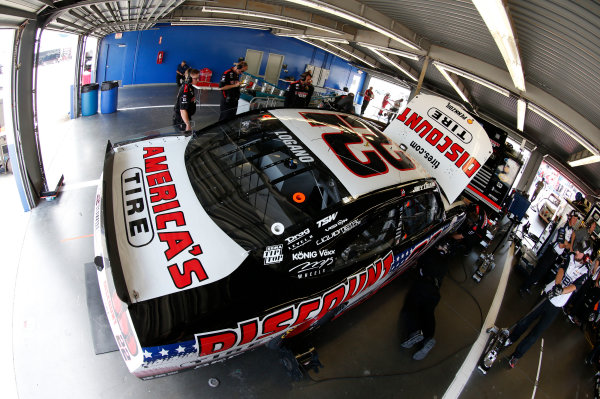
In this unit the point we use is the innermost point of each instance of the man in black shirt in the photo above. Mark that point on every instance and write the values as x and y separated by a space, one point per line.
345 103
185 107
571 275
230 86
300 92
181 68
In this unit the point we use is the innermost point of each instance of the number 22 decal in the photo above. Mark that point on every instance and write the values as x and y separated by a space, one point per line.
378 156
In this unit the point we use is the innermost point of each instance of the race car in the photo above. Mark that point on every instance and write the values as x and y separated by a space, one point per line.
264 226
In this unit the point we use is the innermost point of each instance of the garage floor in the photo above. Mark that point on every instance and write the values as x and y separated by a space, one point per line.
52 353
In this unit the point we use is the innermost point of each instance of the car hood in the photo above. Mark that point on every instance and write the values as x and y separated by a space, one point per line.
165 241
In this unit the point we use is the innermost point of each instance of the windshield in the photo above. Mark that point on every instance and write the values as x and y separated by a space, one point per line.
253 173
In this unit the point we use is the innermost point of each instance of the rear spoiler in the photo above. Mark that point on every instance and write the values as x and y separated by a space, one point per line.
448 142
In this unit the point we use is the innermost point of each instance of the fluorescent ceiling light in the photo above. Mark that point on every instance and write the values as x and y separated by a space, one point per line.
401 53
217 21
452 83
562 126
521 109
338 12
247 13
347 52
228 25
496 18
303 36
395 65
324 48
585 161
475 79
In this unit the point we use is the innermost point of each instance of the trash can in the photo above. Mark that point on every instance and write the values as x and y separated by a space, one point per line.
109 94
89 99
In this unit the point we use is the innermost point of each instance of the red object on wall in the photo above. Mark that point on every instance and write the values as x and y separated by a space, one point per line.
160 57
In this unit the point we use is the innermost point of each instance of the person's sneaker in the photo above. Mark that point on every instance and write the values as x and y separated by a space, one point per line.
512 362
427 346
414 338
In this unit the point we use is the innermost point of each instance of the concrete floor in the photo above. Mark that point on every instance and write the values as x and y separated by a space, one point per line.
52 353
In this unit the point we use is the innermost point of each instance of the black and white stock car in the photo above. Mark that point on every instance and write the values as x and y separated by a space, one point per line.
257 228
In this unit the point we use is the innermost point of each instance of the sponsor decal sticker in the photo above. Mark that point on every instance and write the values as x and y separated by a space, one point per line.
300 243
313 254
423 186
341 230
312 268
453 147
337 224
327 220
180 249
298 236
273 254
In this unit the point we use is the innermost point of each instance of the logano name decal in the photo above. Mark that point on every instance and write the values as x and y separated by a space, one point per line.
170 221
440 142
294 147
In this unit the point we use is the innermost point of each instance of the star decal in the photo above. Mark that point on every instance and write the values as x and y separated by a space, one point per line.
147 354
180 349
164 352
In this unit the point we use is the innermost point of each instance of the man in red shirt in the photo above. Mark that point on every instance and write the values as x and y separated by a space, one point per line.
384 103
367 98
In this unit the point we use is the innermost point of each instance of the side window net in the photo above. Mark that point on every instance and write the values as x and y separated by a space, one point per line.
419 213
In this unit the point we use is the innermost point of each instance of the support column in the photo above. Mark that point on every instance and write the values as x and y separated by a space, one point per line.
79 65
27 165
533 164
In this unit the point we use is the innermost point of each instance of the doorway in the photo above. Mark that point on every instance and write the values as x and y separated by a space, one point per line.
273 70
116 57
55 69
380 89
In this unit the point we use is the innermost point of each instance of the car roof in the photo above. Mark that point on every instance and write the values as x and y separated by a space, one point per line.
301 123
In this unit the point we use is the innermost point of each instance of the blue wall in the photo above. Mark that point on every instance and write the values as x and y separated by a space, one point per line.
133 57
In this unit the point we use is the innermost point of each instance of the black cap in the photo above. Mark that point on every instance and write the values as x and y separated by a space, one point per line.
582 246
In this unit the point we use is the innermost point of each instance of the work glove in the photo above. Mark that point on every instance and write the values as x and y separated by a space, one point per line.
555 291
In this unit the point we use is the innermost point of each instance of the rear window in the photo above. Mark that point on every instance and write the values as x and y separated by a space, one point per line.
256 164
